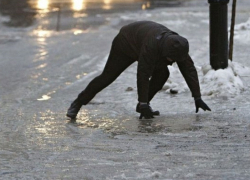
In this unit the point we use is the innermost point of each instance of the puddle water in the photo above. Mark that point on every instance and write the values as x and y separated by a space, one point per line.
160 124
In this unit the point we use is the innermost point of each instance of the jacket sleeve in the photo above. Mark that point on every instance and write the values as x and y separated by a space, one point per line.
146 64
190 75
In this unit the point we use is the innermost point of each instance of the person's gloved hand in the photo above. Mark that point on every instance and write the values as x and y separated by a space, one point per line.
199 103
146 111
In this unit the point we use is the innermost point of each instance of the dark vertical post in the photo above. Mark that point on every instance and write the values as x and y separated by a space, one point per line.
218 34
231 39
58 18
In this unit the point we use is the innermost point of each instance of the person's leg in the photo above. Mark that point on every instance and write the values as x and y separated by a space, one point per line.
157 81
116 64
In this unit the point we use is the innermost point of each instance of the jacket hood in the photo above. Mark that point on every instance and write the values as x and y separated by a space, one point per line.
175 47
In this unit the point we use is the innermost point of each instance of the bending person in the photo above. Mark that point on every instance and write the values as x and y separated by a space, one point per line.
155 47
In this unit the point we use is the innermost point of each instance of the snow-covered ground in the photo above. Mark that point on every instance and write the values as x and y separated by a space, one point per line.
42 71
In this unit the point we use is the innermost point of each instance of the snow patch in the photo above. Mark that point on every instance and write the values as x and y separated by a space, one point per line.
242 32
240 69
77 59
243 26
174 23
222 82
4 38
134 16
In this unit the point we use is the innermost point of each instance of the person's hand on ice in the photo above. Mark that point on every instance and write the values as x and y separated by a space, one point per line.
199 103
146 111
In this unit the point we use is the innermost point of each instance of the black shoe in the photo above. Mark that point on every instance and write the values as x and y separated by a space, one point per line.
155 113
73 110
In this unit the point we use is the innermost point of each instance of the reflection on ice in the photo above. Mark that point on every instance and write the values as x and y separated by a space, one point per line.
68 83
35 76
44 98
79 76
146 6
79 15
78 31
42 36
42 66
107 4
42 33
48 95
78 5
43 4
43 53
122 125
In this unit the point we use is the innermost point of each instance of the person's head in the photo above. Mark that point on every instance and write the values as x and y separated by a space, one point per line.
175 48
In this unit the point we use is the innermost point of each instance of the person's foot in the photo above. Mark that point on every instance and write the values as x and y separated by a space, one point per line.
73 110
155 113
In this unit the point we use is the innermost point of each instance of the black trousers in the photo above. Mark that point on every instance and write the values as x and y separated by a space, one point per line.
117 62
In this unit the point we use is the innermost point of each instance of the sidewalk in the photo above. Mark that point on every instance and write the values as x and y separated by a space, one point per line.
108 142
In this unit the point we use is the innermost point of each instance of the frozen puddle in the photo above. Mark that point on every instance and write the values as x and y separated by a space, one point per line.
124 125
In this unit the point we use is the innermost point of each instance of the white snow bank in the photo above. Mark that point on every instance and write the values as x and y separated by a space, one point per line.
243 26
240 69
223 82
242 32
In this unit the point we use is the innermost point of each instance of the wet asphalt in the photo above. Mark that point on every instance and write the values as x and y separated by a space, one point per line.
42 71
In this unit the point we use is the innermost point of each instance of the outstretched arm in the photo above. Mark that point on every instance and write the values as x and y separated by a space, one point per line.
190 75
146 64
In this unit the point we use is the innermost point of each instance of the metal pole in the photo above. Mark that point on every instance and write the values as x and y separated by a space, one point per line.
231 39
58 18
218 34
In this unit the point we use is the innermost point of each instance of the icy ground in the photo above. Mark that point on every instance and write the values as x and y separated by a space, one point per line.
41 72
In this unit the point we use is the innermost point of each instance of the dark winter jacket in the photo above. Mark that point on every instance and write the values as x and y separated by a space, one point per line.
143 42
